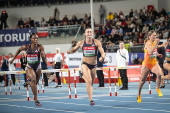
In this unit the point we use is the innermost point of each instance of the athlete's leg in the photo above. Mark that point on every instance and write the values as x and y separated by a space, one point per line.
38 74
167 67
31 74
144 73
88 79
158 71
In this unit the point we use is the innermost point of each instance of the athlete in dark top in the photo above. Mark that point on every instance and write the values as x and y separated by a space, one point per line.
89 61
33 69
166 64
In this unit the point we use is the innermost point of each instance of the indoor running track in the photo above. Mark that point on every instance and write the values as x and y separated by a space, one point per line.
56 100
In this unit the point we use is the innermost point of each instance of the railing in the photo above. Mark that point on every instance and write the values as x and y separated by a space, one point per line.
59 31
131 49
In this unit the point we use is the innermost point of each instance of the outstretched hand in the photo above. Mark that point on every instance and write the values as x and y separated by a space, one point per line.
68 52
160 55
101 59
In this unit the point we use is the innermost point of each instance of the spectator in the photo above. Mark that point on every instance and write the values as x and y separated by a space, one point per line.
31 22
3 18
20 22
12 68
56 14
110 16
65 19
57 60
4 67
131 13
43 22
85 17
74 19
44 67
100 74
122 58
23 61
102 14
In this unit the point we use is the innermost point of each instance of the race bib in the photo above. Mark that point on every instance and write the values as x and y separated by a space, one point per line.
168 53
89 51
153 55
32 58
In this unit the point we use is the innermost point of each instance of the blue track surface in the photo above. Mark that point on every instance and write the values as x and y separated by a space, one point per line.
56 100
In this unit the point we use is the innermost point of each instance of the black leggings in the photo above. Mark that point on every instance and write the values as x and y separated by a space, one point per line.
58 66
13 78
123 75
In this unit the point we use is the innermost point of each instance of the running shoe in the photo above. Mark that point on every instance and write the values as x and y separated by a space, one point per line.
159 92
92 103
139 99
37 103
162 86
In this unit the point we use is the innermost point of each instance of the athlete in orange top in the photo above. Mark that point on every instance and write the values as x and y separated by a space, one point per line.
150 63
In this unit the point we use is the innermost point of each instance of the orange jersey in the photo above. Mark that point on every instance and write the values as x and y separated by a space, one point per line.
150 59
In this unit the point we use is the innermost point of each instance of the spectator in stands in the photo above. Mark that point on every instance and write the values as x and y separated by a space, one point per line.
114 31
102 12
3 18
145 28
20 22
116 16
126 37
165 34
56 14
141 13
110 16
31 22
121 15
136 37
53 21
120 30
163 12
162 18
136 14
131 13
85 17
128 21
74 19
65 19
43 22
154 13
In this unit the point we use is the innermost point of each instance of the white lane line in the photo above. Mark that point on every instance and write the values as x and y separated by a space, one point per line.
5 98
41 108
136 102
109 106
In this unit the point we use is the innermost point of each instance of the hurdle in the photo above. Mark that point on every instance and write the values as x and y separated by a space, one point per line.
69 78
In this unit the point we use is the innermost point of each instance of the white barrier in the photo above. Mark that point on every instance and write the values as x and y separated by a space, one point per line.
74 75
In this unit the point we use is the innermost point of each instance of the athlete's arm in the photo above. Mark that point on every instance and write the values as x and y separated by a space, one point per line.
99 45
23 47
162 45
43 55
151 48
73 50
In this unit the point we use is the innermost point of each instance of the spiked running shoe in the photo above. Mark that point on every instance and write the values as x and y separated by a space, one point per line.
37 103
159 92
139 99
92 103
